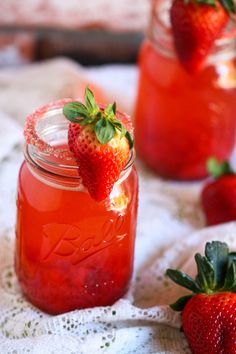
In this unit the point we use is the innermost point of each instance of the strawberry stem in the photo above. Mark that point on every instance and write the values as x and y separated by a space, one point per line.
216 272
218 169
104 121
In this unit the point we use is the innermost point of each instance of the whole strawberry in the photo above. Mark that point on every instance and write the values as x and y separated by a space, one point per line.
209 312
100 142
196 24
218 197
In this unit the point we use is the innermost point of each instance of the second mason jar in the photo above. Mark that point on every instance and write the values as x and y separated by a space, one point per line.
183 119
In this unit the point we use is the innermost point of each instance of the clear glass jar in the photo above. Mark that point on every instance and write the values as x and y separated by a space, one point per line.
183 119
71 252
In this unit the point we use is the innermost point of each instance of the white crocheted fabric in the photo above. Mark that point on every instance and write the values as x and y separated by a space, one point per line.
142 322
168 235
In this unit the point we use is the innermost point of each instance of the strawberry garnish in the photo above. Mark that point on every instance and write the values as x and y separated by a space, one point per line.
100 141
209 312
196 24
218 196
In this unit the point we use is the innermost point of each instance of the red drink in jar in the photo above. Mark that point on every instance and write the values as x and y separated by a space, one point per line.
71 251
183 119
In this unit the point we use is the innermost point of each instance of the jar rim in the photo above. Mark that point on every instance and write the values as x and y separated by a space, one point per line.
32 137
49 158
34 159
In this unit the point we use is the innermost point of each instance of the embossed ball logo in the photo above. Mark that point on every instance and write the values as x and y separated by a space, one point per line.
76 242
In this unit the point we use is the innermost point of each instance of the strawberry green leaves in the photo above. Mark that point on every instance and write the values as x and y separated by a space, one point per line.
206 2
230 281
91 105
110 110
103 121
104 130
74 111
205 277
228 5
180 304
218 255
216 273
183 279
218 169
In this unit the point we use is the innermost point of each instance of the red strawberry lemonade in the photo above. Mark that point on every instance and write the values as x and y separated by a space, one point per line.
72 252
183 118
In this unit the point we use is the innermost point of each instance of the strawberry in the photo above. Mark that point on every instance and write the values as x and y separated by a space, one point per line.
196 24
218 197
100 141
209 312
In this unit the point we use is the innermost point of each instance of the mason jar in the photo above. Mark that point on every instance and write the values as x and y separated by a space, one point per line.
183 119
71 251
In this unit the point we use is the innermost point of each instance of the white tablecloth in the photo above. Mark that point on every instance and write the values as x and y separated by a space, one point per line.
170 230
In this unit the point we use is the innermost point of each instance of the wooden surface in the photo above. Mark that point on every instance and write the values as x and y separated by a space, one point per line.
91 47
88 47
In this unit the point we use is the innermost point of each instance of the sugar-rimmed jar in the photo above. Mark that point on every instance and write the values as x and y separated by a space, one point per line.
71 252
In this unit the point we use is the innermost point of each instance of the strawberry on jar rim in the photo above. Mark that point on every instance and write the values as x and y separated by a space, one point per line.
196 25
218 197
100 140
209 311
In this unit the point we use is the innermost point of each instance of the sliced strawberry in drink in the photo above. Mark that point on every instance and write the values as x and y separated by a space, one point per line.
196 24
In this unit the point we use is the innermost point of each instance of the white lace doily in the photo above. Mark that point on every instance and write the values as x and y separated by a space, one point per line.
168 235
142 322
